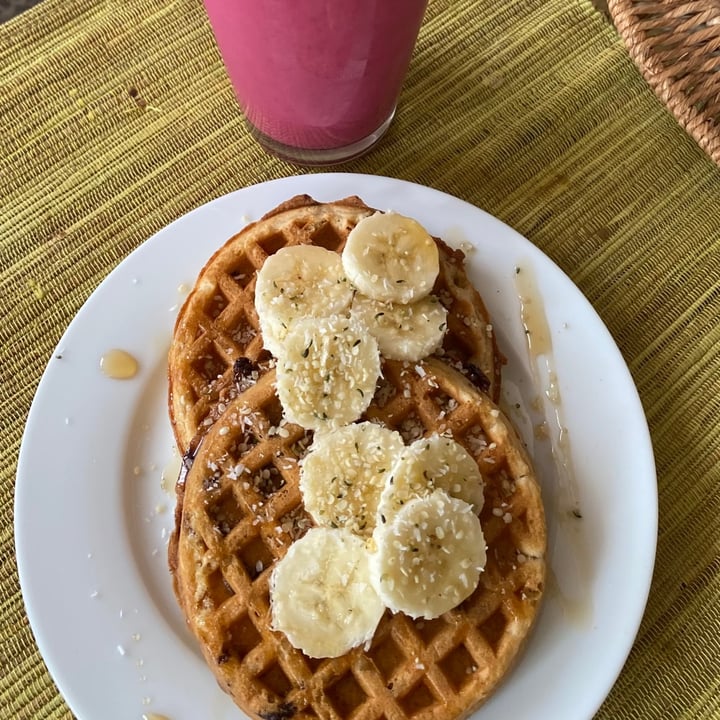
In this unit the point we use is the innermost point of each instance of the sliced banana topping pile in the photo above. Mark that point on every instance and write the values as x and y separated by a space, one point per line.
432 463
396 527
381 282
344 473
423 558
322 598
394 262
327 372
428 559
297 282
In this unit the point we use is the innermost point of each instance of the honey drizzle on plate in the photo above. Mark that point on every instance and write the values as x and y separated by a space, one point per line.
118 364
170 472
544 376
576 605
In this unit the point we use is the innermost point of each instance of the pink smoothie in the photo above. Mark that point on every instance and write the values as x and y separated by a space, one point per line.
316 73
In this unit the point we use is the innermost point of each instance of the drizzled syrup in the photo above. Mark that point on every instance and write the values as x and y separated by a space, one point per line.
118 364
569 545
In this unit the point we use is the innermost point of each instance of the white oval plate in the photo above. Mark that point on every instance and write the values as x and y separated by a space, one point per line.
92 517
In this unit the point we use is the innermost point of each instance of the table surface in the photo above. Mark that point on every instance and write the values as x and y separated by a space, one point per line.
117 118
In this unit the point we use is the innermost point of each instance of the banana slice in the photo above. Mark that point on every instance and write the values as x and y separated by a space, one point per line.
432 463
404 332
326 372
321 594
297 282
344 472
392 258
429 558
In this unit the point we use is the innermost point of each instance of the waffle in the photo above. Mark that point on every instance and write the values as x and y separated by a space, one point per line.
232 526
217 340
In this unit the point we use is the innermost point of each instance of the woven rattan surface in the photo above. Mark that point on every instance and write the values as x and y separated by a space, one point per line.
676 45
117 118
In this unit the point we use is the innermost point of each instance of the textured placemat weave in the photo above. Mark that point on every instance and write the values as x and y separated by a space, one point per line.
117 117
676 45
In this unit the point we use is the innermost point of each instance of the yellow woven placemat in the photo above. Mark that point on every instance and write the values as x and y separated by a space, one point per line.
117 117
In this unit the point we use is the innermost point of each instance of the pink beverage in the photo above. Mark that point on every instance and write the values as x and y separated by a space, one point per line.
318 80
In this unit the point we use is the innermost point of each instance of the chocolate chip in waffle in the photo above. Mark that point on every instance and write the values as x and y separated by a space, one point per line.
217 345
240 508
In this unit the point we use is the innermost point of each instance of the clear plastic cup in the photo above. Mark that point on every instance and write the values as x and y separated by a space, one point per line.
318 80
